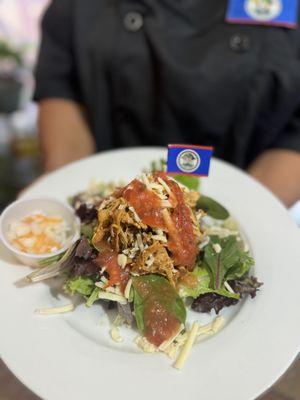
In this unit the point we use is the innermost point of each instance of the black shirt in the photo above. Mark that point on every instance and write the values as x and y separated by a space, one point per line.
153 72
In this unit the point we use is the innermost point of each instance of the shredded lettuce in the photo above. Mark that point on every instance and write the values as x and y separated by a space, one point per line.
202 282
202 286
228 264
93 297
212 208
87 229
210 275
81 285
241 268
191 182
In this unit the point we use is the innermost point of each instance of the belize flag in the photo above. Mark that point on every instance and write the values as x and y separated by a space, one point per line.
263 12
187 159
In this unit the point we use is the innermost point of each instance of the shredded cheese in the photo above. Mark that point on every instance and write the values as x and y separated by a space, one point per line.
205 330
145 180
228 287
187 346
211 328
102 283
218 230
115 335
114 289
204 243
167 343
217 324
145 345
172 350
164 184
55 310
127 289
118 321
161 238
166 203
217 248
111 296
122 260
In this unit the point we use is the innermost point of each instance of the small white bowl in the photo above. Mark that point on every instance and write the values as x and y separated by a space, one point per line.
50 206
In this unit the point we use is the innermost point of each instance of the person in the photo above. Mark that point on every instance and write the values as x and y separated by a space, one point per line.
128 73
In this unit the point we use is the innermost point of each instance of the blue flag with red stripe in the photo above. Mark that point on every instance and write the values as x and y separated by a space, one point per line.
263 12
187 159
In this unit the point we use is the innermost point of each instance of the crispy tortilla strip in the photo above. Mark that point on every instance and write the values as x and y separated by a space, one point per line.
155 259
163 247
115 219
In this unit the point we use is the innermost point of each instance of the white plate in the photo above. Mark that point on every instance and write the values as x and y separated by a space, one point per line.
72 357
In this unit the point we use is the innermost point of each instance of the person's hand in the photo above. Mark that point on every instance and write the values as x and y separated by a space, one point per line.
279 170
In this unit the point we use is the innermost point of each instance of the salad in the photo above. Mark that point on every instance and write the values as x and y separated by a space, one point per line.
153 248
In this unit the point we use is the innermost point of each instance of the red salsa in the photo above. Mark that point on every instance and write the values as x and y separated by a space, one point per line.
146 204
159 323
116 275
109 259
182 239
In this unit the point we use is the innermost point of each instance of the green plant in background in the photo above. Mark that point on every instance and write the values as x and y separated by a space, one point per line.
9 53
19 153
8 187
11 62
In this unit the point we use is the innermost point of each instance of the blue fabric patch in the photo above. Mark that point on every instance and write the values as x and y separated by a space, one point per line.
263 12
188 159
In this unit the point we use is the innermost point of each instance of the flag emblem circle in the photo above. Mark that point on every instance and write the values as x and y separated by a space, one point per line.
188 161
263 10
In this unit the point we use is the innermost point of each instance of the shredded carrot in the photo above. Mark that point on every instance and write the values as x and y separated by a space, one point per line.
38 234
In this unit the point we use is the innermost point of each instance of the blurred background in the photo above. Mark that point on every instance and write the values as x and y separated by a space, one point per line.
19 40
19 153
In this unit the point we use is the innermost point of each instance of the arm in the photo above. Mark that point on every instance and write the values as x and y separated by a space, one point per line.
64 133
279 170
